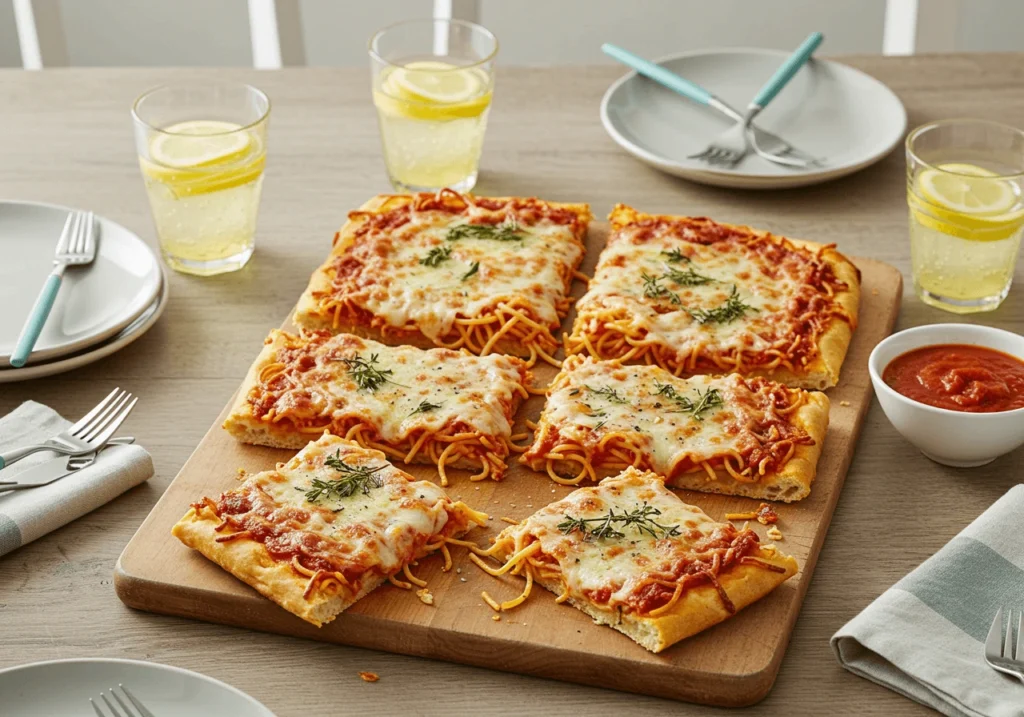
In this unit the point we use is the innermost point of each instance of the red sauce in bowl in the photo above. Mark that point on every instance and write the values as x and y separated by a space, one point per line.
959 378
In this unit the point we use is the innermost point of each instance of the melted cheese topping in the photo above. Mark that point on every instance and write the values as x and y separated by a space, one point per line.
777 289
383 270
380 529
611 571
592 399
430 390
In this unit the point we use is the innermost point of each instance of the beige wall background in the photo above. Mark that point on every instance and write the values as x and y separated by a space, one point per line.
532 32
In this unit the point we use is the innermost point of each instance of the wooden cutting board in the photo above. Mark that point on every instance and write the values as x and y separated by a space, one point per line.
731 664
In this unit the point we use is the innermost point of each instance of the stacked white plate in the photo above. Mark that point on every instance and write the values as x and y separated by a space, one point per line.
100 309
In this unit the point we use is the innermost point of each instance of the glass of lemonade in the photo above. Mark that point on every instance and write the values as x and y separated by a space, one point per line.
201 150
964 188
432 86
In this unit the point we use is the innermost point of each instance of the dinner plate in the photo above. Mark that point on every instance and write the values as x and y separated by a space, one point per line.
118 341
829 110
62 688
95 301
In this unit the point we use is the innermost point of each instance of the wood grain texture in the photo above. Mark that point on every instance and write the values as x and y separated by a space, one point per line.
66 138
721 666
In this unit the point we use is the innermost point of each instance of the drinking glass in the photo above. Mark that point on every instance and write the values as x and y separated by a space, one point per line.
964 182
202 149
432 87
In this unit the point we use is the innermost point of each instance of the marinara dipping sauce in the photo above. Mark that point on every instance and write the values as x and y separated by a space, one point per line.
959 377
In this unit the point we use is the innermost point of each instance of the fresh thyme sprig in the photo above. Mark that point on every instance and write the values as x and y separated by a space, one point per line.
606 392
705 401
732 309
686 278
436 255
473 268
366 374
675 256
506 231
353 479
641 519
425 407
654 290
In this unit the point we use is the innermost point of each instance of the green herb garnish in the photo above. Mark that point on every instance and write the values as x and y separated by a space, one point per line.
686 278
675 257
654 290
474 268
353 479
436 255
506 231
608 393
732 309
366 374
705 401
425 407
640 519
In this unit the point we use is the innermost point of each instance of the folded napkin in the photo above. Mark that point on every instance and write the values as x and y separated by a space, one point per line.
28 514
925 636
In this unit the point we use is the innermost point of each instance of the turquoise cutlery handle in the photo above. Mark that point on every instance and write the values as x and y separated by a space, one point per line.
36 320
658 73
789 68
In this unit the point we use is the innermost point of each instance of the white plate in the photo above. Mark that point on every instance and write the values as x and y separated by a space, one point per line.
95 302
124 337
828 110
62 688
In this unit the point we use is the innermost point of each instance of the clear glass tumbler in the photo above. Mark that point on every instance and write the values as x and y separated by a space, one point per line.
432 86
964 190
202 149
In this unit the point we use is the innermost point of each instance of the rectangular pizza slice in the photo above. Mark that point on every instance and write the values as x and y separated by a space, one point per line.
630 554
488 274
437 406
694 296
717 434
324 529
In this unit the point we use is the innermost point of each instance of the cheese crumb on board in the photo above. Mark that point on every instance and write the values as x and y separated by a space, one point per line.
425 596
774 533
369 676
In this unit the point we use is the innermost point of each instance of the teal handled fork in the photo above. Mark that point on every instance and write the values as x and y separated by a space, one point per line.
736 142
775 148
76 247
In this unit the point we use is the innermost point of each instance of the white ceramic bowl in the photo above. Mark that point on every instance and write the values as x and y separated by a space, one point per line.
953 438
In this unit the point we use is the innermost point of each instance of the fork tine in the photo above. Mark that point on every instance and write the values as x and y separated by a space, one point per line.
110 414
65 234
1008 635
76 233
99 713
95 416
1018 637
994 641
90 234
114 424
84 420
138 705
113 710
127 710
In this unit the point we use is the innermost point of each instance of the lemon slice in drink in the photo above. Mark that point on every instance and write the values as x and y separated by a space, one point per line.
432 90
967 201
198 143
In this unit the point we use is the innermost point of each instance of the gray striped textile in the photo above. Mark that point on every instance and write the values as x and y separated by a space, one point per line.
924 637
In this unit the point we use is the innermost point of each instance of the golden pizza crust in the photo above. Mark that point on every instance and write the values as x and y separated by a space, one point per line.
308 315
250 562
697 609
823 370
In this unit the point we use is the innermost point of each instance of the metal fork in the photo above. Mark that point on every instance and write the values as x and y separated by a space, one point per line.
1003 648
124 707
88 434
76 247
768 145
733 144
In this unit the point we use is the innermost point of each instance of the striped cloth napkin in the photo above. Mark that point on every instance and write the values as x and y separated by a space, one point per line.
925 636
29 514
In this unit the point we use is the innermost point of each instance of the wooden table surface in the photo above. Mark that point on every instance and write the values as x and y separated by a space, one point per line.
66 137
